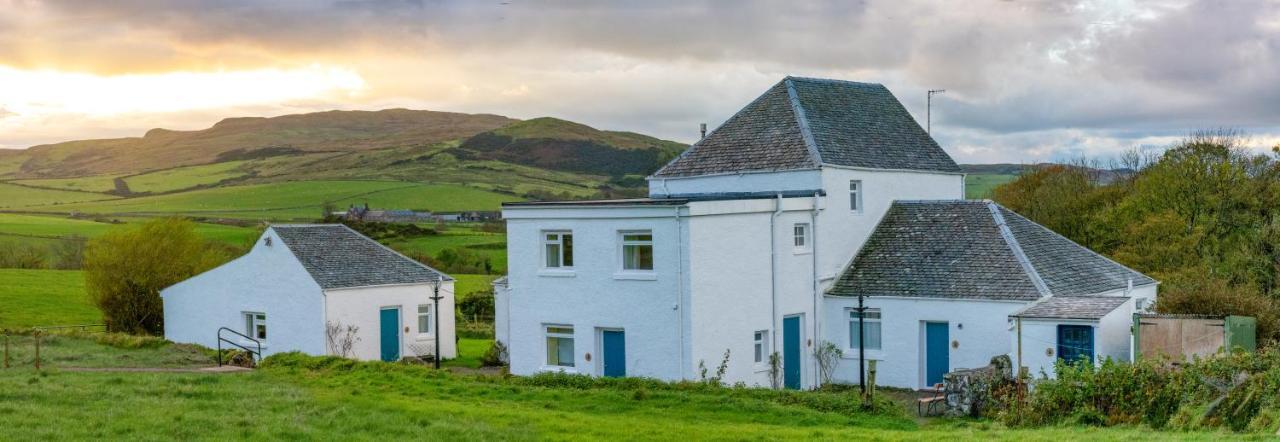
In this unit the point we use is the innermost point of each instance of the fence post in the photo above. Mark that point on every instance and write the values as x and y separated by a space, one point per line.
6 349
37 350
871 383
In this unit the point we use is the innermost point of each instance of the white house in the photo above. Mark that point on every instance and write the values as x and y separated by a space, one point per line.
747 245
300 278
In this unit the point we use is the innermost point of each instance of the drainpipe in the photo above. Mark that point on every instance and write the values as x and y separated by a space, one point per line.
679 285
773 275
813 255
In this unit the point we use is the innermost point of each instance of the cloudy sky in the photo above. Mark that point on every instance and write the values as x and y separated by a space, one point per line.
1025 80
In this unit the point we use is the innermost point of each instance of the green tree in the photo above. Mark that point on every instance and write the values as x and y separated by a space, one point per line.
126 269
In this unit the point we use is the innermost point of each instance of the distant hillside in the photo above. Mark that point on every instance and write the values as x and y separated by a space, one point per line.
995 169
556 144
246 138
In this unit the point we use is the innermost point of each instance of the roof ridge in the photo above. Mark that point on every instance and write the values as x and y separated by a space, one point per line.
1016 248
1059 235
834 80
803 121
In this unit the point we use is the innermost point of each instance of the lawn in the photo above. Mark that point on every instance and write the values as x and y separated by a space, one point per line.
468 284
979 186
381 401
13 196
96 183
297 200
491 245
185 177
22 227
44 297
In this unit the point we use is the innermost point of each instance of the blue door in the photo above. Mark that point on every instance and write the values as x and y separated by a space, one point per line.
937 357
1075 342
791 352
615 353
390 321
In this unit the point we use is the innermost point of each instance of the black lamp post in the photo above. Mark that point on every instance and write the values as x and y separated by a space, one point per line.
435 318
862 360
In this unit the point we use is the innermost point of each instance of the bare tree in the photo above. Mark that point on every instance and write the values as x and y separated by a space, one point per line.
775 371
341 338
828 356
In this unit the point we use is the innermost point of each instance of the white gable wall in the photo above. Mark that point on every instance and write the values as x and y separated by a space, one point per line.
268 279
362 307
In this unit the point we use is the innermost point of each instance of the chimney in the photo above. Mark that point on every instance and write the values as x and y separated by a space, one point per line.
704 130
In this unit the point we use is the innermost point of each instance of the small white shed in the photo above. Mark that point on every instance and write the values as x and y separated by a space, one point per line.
309 288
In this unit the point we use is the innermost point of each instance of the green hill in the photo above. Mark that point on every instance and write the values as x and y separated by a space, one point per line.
556 144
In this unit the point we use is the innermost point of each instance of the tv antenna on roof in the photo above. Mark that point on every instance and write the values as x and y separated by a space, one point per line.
928 112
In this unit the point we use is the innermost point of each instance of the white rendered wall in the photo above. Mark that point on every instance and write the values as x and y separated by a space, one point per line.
502 314
736 183
1040 344
596 294
981 328
362 307
269 280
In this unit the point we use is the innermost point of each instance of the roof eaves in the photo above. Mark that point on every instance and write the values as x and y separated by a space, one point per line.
1016 248
803 121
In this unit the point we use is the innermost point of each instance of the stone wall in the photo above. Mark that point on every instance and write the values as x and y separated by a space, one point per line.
969 390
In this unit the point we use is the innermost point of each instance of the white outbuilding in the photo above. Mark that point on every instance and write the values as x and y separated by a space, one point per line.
321 289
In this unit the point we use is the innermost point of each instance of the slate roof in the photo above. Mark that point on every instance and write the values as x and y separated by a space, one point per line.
1071 307
802 123
338 257
975 250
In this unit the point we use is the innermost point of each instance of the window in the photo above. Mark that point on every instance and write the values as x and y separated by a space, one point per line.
558 247
855 195
800 234
559 346
871 325
637 251
424 319
255 325
761 346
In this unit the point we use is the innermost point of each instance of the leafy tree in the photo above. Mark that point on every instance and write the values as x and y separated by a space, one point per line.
126 269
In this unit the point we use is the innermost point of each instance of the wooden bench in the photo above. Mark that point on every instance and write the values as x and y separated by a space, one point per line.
926 405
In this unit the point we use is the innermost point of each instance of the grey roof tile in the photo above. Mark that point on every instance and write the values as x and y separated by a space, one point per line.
338 257
801 123
1071 307
957 249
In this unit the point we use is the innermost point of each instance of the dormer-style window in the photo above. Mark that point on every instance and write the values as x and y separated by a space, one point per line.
855 196
558 248
800 237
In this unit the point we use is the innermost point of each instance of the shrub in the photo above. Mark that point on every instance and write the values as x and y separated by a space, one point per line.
496 356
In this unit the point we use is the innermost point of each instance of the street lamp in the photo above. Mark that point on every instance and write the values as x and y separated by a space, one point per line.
435 312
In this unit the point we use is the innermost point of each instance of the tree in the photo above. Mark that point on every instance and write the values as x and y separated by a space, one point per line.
126 269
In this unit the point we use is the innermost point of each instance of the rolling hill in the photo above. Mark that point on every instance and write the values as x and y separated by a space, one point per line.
556 144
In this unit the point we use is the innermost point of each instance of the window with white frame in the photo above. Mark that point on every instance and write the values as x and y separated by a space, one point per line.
255 325
425 319
559 346
800 237
761 346
637 251
870 327
855 195
558 248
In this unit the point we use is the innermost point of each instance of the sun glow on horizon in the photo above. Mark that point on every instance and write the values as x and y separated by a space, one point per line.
43 92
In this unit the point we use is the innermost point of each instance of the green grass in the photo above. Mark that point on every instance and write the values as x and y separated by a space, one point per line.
44 297
24 227
96 183
468 284
83 350
469 352
380 401
979 186
296 200
491 245
20 197
185 177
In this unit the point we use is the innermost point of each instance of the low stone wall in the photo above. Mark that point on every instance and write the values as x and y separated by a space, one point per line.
968 390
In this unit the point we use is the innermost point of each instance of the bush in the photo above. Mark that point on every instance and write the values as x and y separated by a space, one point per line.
477 304
1236 391
495 356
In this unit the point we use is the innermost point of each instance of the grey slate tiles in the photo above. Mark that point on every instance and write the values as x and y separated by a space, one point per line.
338 257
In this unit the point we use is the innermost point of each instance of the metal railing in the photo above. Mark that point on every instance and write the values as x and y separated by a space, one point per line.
257 355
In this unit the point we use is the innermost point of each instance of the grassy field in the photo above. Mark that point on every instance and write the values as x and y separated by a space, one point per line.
44 297
380 401
468 284
185 177
32 228
96 183
296 199
13 196
979 186
491 245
